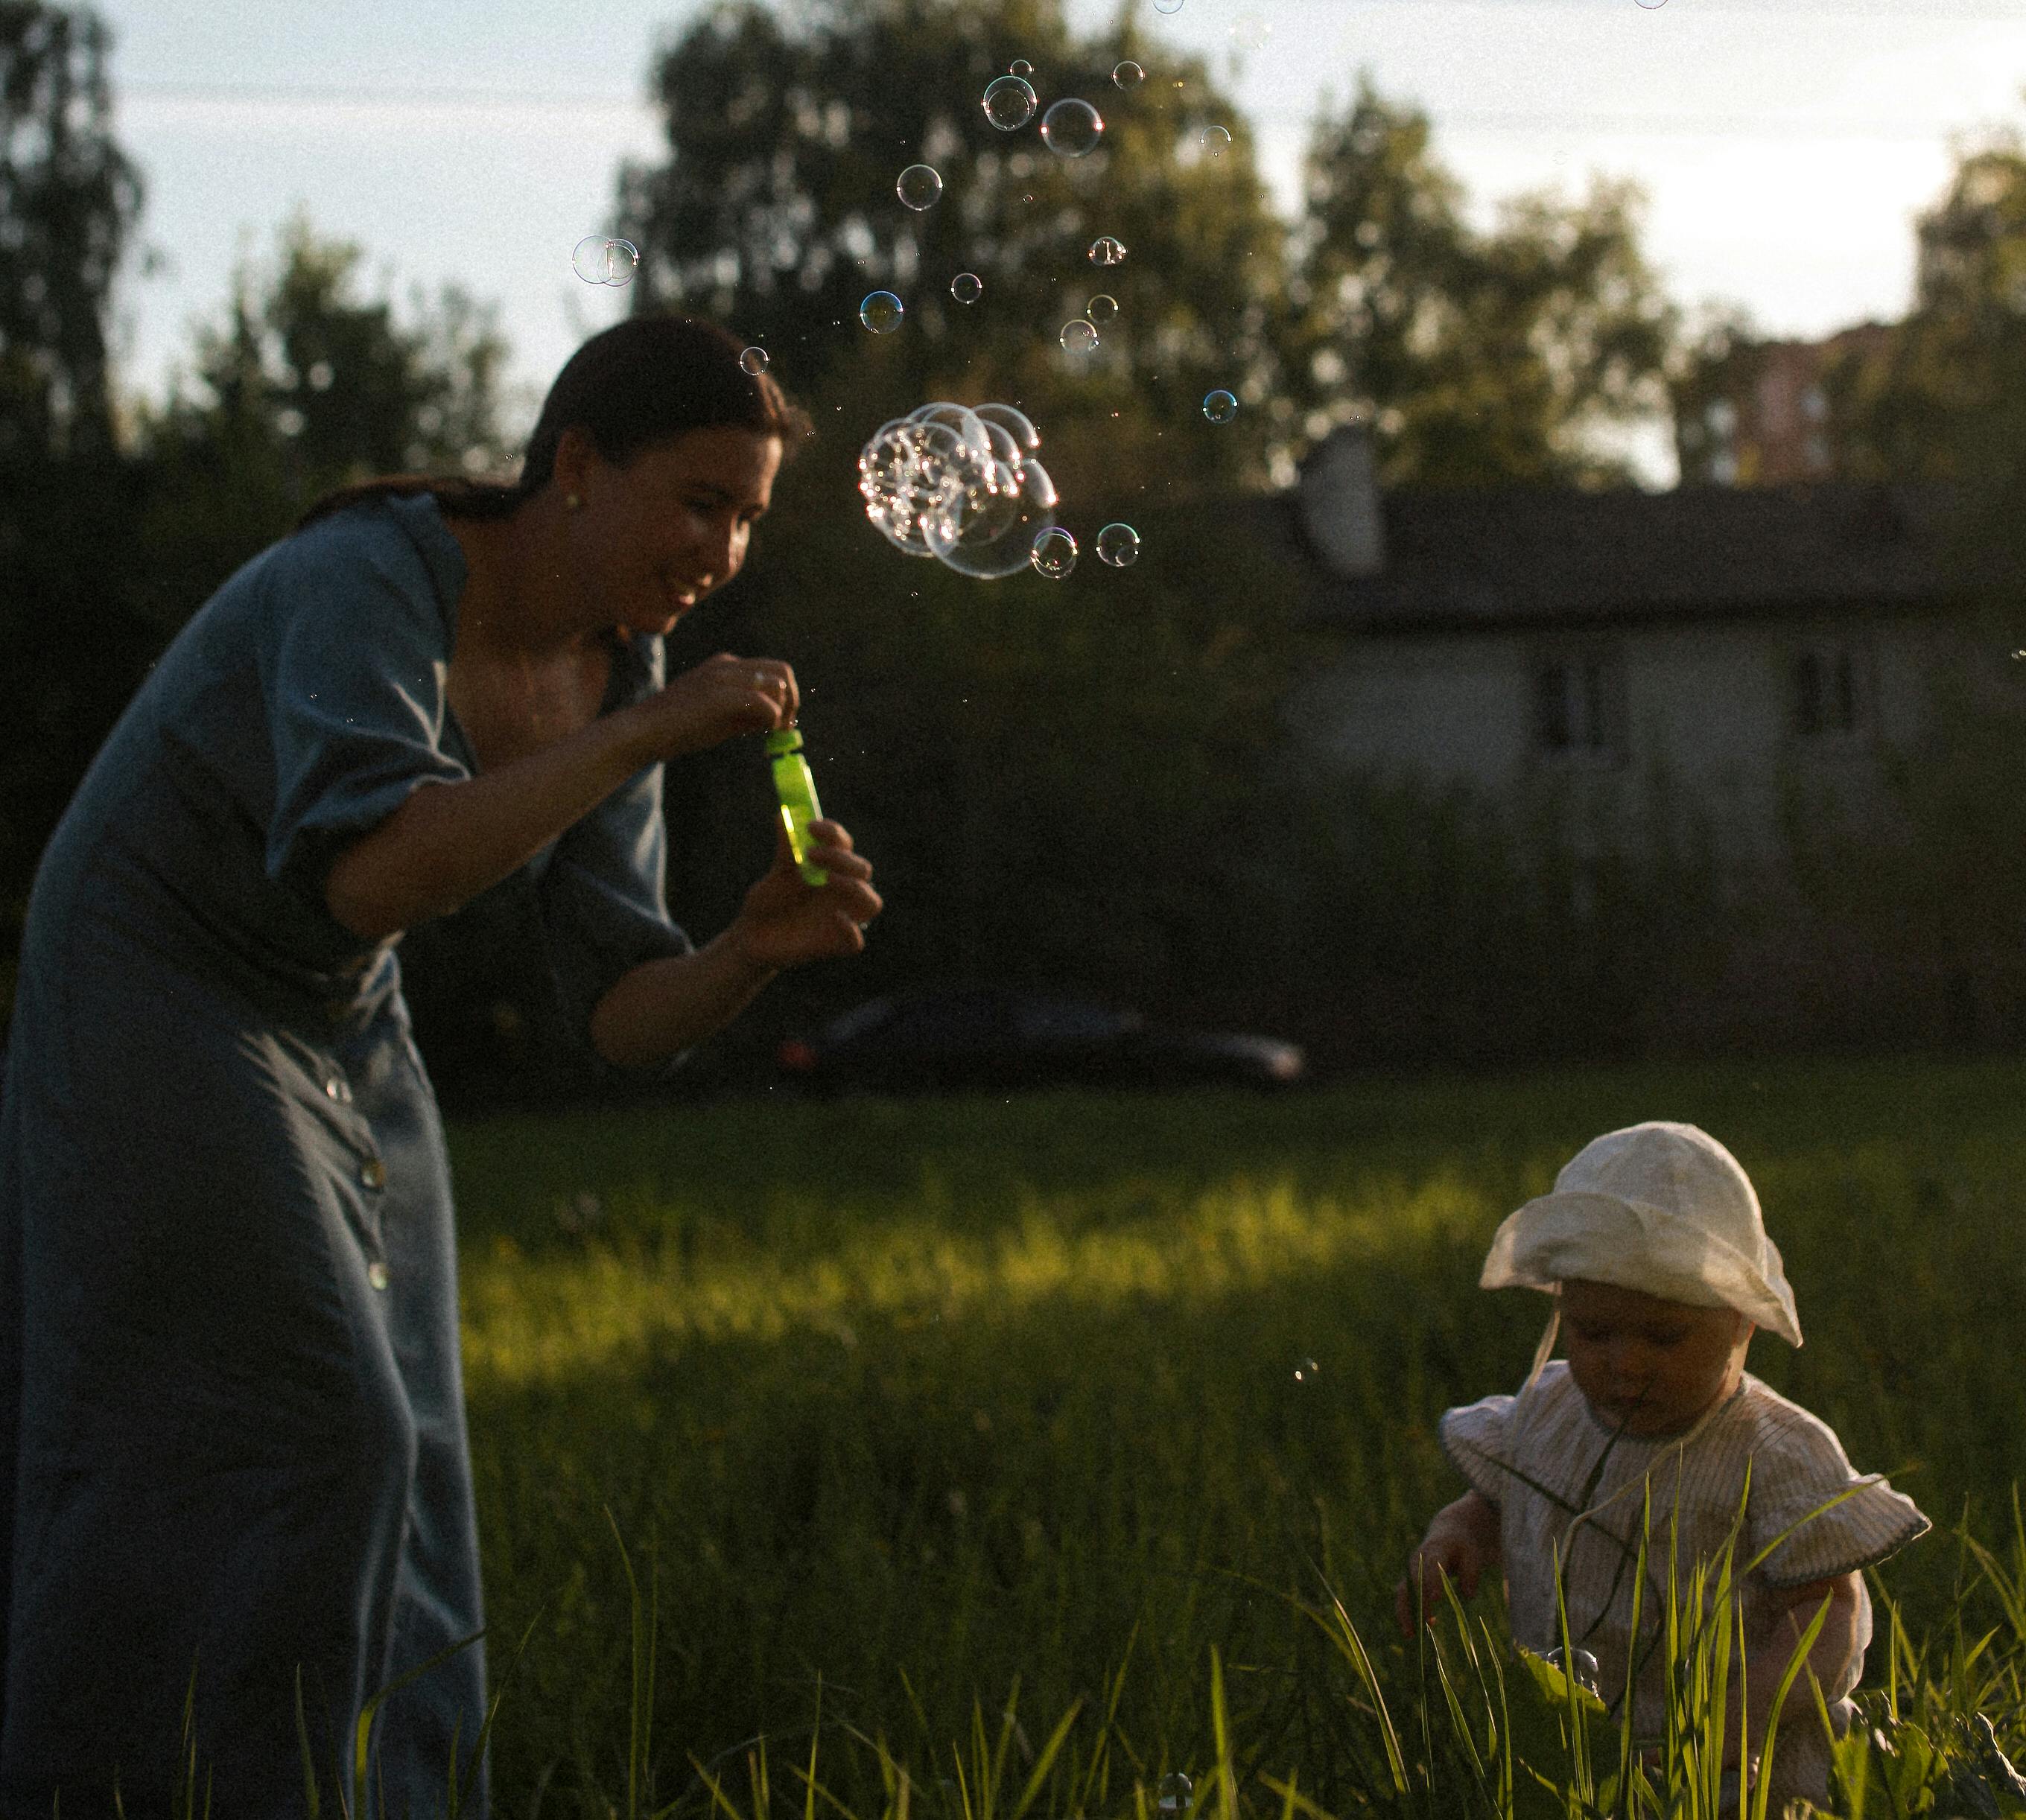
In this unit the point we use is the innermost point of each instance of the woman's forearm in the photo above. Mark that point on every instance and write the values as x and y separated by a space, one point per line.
449 842
661 1007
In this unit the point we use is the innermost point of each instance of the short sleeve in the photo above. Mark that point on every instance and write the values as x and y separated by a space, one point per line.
1819 1517
356 681
1478 1438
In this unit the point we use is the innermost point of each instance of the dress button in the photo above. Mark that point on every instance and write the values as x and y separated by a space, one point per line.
373 1172
376 1274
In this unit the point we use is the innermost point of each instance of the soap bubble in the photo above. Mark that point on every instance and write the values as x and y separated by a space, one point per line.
959 485
1128 75
1102 309
1020 66
881 311
599 261
919 187
1079 336
1177 1795
754 361
1106 251
1220 407
1054 553
1581 1668
1118 547
1017 422
1167 6
1216 141
989 544
1009 102
1072 128
967 287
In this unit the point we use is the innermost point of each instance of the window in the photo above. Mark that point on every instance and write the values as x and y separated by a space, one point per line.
1577 706
1825 692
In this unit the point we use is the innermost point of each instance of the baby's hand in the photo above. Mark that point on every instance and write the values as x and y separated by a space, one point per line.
1460 1544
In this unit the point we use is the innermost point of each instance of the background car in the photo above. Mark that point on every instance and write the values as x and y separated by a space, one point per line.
980 1038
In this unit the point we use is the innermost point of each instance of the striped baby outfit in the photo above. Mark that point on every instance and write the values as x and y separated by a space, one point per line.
1566 1485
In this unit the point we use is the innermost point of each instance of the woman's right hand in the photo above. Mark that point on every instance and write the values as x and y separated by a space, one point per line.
720 699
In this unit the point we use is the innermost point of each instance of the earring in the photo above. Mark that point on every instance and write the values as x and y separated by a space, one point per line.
573 501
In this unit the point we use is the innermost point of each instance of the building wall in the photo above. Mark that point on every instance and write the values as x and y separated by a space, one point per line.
1727 716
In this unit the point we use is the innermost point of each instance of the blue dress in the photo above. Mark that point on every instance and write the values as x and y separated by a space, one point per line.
232 1433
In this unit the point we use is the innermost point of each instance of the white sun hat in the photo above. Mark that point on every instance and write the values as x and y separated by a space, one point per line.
1661 1207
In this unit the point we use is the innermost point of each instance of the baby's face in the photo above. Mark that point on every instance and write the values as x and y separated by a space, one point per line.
1646 1365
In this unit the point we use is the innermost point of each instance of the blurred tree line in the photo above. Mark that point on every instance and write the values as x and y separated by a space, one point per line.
1085 782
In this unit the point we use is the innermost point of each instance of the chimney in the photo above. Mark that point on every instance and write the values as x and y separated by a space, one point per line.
1337 495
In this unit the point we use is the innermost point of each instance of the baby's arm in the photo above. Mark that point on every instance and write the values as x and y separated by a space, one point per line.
1462 1543
1767 1656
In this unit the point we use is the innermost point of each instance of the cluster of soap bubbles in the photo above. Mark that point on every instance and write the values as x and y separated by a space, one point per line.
599 261
962 484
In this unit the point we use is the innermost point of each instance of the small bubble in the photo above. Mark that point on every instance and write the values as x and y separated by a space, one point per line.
320 376
1220 407
1167 6
1651 5
1072 129
1102 309
919 187
1177 1794
1054 553
599 261
1216 141
1128 75
881 311
1020 66
754 361
967 287
1118 547
290 422
1106 251
1079 336
1009 103
1582 1669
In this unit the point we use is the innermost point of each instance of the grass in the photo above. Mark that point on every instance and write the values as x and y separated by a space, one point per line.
963 1452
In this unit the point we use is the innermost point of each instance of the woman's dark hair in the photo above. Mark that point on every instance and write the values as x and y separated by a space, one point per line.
638 383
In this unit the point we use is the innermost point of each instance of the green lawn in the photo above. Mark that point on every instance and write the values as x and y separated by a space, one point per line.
903 1405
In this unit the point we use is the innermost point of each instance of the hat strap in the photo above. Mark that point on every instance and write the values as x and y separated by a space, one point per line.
1545 1351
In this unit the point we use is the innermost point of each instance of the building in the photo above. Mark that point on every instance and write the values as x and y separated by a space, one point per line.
1769 423
1708 661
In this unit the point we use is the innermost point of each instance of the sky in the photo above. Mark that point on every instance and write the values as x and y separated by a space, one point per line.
1785 146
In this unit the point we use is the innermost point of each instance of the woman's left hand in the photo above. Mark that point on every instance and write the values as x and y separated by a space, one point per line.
786 921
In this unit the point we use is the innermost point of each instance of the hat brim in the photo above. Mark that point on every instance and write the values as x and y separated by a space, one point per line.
1569 1235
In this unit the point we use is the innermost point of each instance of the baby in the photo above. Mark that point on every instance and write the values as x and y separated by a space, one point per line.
1652 1245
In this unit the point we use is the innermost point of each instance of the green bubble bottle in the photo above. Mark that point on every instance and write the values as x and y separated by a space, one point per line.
796 789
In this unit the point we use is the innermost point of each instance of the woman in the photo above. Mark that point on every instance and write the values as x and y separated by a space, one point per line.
232 1440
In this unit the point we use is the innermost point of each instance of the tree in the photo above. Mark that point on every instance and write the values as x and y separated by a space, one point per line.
776 211
69 199
1479 360
304 385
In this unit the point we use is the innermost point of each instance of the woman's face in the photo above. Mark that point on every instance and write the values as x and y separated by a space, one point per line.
659 532
1645 1366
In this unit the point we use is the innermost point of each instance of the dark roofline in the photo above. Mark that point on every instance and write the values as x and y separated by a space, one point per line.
1542 557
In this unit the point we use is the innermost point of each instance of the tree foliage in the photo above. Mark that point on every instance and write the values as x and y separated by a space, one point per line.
776 211
1478 359
69 199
